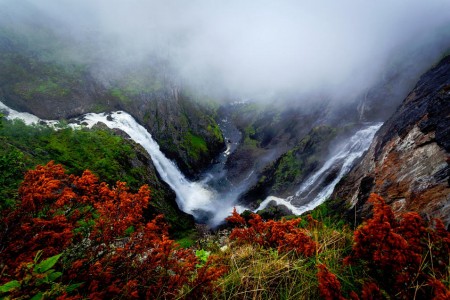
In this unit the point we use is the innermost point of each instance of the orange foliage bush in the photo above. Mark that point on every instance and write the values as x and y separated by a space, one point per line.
401 255
329 285
108 245
284 235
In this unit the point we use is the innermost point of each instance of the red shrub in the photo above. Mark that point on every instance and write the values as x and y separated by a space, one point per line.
329 285
284 235
110 247
441 292
401 255
371 291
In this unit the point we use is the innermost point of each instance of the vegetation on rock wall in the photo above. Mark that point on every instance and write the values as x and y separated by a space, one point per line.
52 77
106 154
292 167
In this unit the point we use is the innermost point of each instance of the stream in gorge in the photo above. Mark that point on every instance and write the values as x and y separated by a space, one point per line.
212 198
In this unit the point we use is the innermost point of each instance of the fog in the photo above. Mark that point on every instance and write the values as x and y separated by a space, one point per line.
253 47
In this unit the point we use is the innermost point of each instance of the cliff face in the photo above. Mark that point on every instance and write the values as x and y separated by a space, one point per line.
283 177
37 76
408 161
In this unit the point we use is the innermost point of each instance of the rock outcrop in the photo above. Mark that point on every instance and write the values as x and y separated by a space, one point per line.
408 161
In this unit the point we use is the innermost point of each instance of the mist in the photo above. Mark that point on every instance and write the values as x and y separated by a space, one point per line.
254 47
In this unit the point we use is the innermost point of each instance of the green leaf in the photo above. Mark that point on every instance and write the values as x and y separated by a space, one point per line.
73 287
202 256
38 296
129 230
9 286
53 276
47 264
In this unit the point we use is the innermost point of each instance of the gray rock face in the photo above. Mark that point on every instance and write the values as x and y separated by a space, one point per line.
408 161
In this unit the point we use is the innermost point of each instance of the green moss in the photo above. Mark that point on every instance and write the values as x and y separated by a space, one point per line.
98 108
288 170
302 159
187 239
215 131
195 145
249 137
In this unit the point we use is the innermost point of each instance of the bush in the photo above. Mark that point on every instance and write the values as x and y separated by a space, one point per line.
102 237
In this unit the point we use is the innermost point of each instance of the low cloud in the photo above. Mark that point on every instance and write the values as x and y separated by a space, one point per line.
253 47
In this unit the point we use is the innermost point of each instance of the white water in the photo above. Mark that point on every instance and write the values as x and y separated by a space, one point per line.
197 198
344 157
27 118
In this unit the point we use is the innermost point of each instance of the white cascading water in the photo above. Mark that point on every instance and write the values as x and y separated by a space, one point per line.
197 198
27 118
191 195
345 156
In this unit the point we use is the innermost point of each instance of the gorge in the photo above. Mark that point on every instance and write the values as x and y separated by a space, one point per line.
202 198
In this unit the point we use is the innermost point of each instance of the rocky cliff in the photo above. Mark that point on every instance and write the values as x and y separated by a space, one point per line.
41 74
408 161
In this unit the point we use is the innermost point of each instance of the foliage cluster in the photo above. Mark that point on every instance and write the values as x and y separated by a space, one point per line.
195 145
106 247
282 235
385 258
106 154
71 237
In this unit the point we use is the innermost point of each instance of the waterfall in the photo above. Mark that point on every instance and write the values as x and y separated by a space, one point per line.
343 158
191 196
195 198
27 118
204 199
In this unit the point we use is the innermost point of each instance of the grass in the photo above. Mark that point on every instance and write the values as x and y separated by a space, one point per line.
260 273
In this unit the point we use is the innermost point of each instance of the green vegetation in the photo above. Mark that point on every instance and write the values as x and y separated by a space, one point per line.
106 154
43 88
304 157
29 77
249 137
215 131
288 170
195 145
40 280
119 94
99 150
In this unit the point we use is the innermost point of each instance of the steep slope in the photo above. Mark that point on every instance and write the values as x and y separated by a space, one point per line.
53 77
408 161
283 176
268 131
108 154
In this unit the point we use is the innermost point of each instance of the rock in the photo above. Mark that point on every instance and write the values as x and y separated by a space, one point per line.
408 161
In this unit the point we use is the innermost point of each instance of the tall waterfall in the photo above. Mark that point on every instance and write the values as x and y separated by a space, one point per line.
203 199
195 198
342 159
